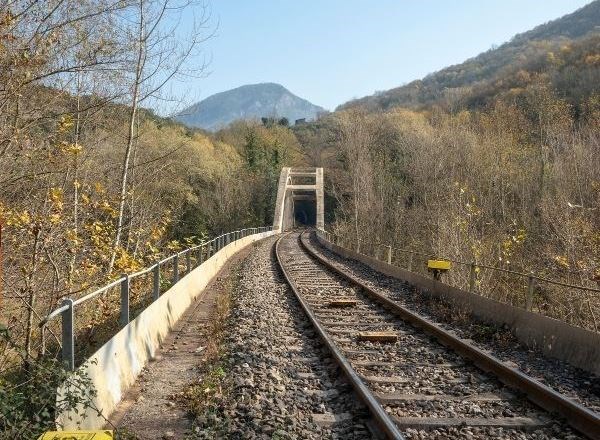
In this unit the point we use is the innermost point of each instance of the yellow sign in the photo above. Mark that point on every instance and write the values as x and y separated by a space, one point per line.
77 435
438 264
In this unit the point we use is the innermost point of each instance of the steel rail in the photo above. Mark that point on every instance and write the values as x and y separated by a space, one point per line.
579 417
384 421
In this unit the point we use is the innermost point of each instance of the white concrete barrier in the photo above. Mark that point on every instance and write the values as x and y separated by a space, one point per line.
116 365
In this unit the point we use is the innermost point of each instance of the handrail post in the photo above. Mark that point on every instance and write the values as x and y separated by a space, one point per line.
410 258
530 289
358 245
188 261
389 255
472 274
175 268
156 282
68 335
124 317
201 259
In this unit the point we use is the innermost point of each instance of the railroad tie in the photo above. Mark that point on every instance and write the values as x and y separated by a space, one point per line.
342 302
378 336
390 398
427 423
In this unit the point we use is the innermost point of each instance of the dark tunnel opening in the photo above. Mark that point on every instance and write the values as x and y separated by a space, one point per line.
305 212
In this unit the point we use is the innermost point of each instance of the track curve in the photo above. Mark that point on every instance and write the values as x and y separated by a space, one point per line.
439 391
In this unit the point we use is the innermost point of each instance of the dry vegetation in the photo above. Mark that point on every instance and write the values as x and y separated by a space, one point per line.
93 184
494 161
515 185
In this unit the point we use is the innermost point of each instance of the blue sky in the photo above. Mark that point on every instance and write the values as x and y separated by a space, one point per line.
330 51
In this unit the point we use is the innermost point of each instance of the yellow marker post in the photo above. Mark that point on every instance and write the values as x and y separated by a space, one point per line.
77 435
438 267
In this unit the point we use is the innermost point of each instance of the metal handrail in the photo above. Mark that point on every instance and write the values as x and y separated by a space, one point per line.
66 310
484 266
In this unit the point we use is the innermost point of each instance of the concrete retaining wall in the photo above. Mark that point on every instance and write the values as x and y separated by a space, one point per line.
115 366
554 338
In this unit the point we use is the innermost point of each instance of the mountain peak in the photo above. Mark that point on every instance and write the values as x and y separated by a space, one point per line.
250 101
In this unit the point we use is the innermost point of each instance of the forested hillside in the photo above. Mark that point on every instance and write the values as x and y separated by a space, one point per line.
563 51
496 160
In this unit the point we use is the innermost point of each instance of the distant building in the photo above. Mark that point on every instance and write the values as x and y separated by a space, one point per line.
300 121
322 114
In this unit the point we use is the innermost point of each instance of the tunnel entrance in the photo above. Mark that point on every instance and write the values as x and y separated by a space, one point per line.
305 212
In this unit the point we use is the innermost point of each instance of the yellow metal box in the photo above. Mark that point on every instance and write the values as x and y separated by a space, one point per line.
438 264
77 435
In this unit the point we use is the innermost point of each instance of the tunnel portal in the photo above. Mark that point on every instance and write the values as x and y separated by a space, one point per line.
299 199
305 212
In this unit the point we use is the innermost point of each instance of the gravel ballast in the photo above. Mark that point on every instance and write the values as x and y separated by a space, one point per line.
280 381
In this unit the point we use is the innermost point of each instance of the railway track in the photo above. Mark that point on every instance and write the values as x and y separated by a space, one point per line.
416 379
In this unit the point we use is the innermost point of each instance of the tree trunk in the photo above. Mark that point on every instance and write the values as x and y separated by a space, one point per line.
130 138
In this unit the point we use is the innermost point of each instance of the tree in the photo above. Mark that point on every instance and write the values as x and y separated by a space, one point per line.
160 55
